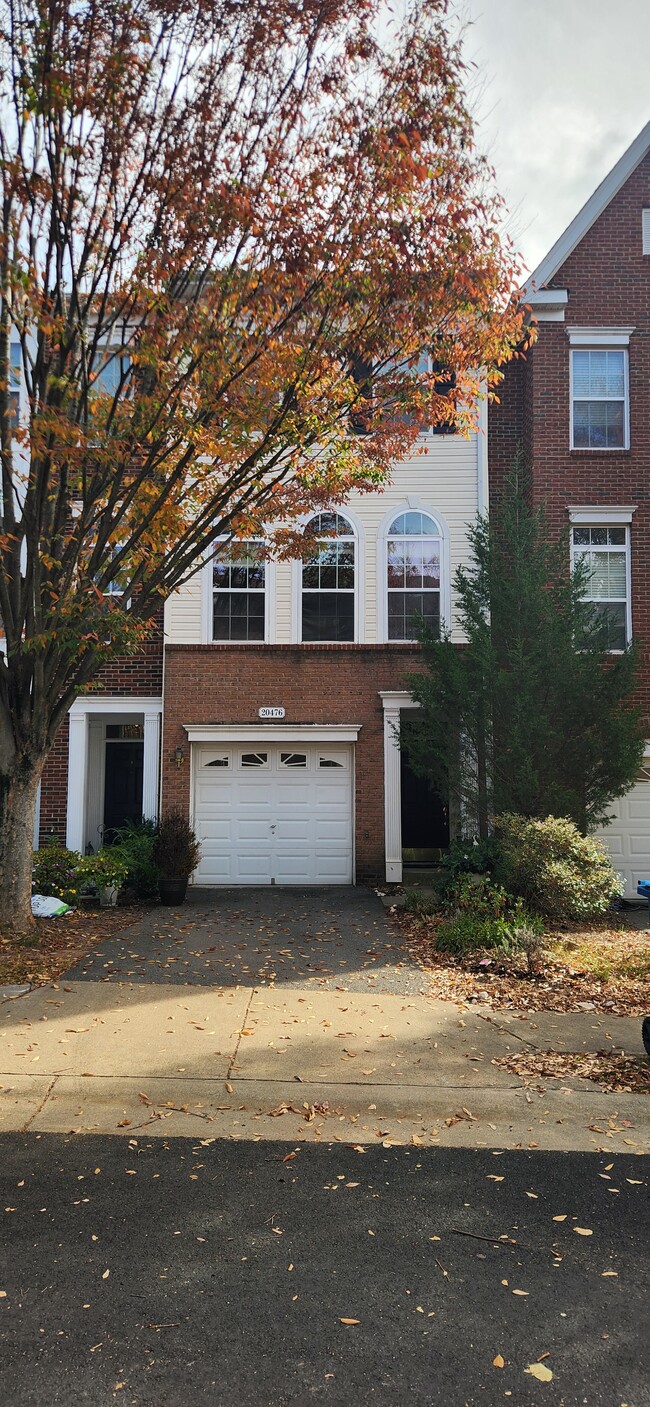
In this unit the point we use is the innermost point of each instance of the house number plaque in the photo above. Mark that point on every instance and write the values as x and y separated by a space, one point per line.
270 713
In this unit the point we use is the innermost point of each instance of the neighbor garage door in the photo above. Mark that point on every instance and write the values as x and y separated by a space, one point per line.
628 836
268 814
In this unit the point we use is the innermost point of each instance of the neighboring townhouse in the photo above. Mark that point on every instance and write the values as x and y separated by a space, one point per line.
578 408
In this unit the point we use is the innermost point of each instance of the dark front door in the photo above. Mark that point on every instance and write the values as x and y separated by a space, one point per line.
425 818
123 786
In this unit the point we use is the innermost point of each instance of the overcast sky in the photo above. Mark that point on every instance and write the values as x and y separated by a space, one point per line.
562 88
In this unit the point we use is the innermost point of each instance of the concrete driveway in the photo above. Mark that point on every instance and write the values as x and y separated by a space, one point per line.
321 938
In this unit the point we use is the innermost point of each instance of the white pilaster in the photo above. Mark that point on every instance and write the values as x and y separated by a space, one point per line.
77 772
392 796
151 765
393 702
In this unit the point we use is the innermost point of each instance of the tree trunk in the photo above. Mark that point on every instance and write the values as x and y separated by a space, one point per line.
18 790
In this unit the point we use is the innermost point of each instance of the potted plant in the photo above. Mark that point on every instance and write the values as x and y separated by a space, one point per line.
176 854
106 871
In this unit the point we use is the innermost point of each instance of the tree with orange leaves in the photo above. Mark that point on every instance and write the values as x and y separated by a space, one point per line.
227 230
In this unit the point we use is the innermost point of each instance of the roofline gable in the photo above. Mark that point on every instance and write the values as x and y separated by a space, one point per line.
587 216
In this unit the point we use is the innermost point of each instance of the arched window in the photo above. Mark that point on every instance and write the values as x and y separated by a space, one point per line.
413 574
328 580
238 591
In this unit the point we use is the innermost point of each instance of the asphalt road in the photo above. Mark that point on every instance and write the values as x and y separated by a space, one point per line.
330 937
165 1275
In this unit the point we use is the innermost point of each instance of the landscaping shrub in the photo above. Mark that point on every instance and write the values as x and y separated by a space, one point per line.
176 849
135 847
469 933
470 856
557 871
481 914
57 871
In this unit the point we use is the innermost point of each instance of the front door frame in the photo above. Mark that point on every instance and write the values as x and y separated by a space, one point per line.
393 701
82 710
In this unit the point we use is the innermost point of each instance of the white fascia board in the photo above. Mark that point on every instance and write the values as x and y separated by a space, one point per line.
588 514
588 215
272 732
547 305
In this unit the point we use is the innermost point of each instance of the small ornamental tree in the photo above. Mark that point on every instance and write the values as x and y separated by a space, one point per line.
532 716
228 228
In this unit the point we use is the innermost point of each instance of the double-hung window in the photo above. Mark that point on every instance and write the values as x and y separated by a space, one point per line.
328 581
413 552
599 398
605 552
239 592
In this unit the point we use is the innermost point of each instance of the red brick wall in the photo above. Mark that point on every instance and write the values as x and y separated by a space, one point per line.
608 282
315 684
139 674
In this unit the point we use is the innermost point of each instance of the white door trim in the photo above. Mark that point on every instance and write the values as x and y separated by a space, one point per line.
393 702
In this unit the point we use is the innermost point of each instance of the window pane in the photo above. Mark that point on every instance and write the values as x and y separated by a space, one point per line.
611 625
580 536
581 384
599 374
310 575
615 421
404 608
328 616
238 615
617 536
598 425
608 574
396 564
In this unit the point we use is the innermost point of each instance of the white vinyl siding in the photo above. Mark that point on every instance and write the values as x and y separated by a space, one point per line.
444 480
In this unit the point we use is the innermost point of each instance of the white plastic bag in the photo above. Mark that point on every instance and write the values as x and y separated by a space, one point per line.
46 906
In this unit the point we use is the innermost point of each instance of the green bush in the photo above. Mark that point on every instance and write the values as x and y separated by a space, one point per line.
558 872
57 871
468 933
135 846
470 856
481 914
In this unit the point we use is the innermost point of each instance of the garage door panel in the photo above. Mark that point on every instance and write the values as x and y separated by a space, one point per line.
274 823
627 838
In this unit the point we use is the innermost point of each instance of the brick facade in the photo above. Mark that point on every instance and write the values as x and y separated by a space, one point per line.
325 684
136 675
607 278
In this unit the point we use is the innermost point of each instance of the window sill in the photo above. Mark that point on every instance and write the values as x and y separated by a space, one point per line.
592 449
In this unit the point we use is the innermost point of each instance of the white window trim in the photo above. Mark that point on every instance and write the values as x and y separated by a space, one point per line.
602 520
599 336
359 583
599 515
601 449
207 602
417 505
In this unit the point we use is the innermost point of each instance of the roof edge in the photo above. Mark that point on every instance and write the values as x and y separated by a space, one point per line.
586 217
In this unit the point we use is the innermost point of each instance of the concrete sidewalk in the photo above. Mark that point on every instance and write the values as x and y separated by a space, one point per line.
303 1064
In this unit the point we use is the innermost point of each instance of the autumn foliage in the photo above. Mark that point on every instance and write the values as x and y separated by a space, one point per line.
228 229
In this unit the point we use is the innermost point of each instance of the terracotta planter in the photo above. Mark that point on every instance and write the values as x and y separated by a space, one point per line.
172 891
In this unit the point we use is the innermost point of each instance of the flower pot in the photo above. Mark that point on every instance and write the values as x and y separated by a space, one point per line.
108 896
172 891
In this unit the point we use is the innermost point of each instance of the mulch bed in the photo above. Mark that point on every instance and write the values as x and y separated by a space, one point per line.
567 981
58 943
622 1074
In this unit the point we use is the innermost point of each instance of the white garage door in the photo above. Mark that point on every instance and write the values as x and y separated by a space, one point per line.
273 814
627 837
